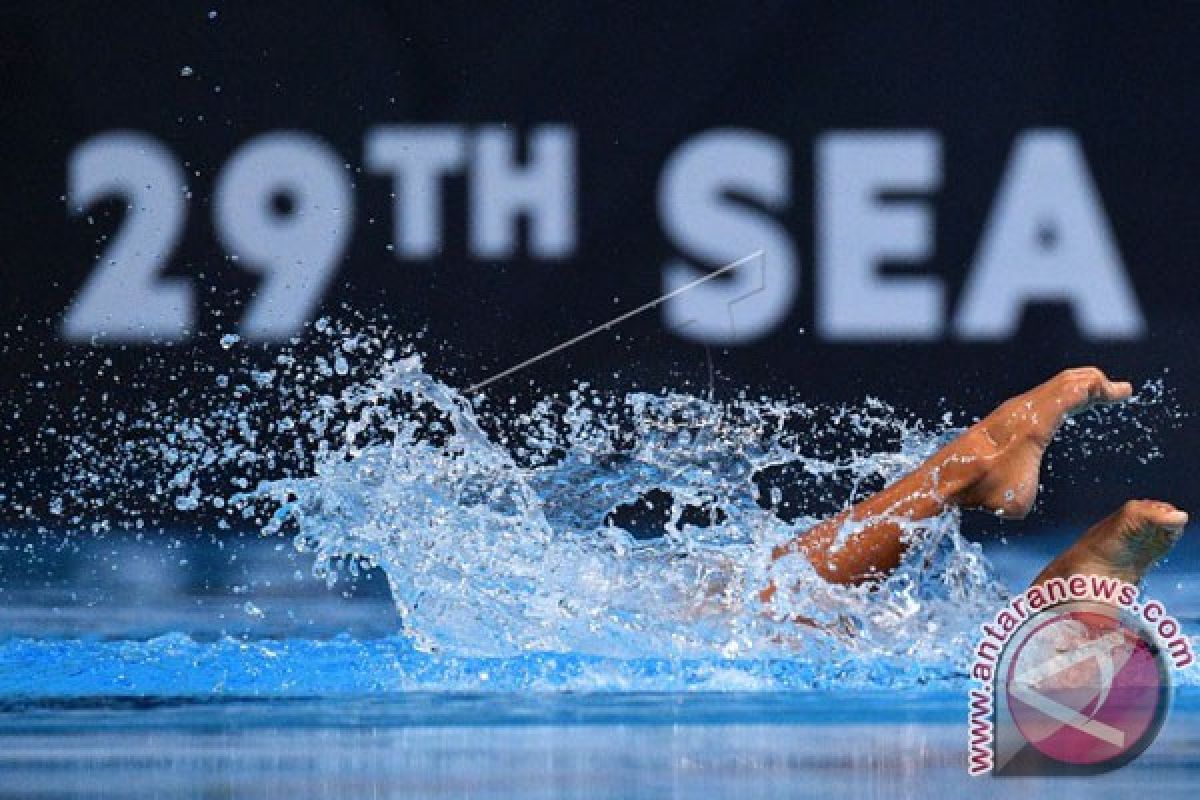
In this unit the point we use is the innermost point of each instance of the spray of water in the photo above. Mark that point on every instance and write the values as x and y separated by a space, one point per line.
628 526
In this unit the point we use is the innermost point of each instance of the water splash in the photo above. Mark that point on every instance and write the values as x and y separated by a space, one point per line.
493 549
630 527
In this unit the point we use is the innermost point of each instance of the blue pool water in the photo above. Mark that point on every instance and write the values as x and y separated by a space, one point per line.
542 746
156 680
398 590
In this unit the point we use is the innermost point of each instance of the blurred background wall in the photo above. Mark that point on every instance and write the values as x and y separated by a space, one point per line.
952 202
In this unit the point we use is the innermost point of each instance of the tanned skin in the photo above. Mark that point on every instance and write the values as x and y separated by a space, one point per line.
994 466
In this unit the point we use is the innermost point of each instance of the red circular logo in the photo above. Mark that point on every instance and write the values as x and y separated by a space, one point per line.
1086 685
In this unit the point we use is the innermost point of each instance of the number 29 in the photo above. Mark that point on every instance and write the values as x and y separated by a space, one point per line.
295 246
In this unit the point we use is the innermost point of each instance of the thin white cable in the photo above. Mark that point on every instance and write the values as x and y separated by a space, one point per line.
613 322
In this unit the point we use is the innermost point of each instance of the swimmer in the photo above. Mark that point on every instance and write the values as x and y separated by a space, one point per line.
994 466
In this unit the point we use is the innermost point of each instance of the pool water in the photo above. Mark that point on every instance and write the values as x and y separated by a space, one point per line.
391 588
190 673
593 745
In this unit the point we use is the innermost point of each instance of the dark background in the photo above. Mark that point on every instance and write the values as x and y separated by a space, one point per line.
635 81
